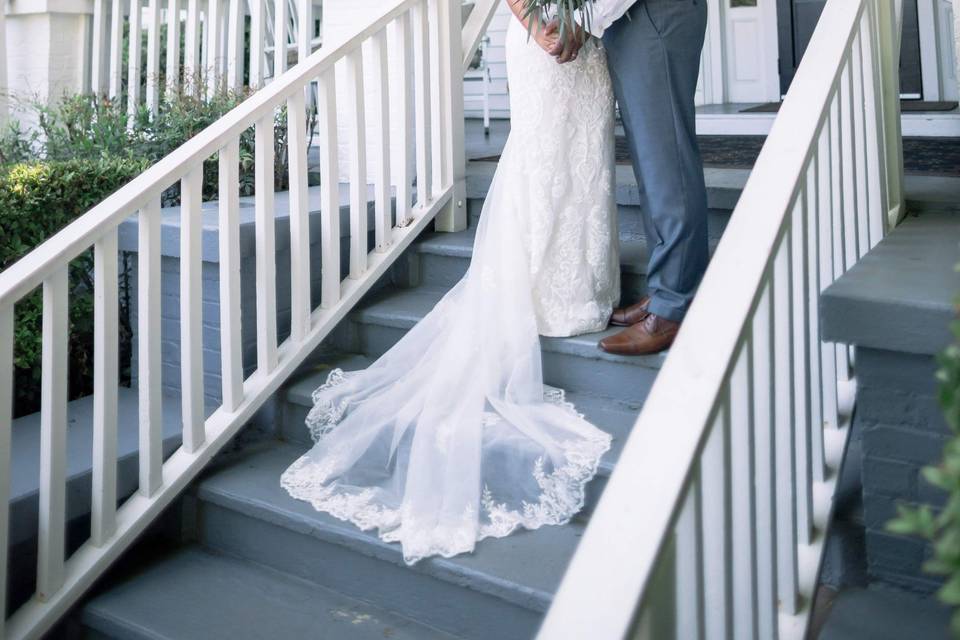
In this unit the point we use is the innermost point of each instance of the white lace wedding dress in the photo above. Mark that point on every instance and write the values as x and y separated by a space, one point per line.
451 436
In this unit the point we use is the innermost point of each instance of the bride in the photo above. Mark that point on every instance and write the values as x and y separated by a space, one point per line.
451 436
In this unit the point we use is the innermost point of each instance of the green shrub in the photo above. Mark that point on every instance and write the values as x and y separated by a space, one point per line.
942 528
37 199
91 127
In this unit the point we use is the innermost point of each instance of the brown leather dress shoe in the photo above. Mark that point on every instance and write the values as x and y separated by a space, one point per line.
629 316
653 335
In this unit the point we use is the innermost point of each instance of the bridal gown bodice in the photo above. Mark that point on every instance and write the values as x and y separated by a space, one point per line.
451 436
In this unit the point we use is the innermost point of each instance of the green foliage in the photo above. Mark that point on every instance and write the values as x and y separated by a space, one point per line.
92 127
37 199
942 528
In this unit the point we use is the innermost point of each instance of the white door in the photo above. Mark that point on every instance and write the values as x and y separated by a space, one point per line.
750 50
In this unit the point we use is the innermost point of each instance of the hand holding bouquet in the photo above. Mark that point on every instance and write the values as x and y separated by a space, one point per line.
570 19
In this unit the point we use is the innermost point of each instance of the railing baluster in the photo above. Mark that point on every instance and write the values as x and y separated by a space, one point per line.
153 56
98 47
717 534
304 29
231 358
265 246
235 33
784 443
874 125
383 218
279 37
257 35
358 164
191 308
53 435
423 104
850 171
300 304
212 28
743 493
6 419
801 364
173 46
828 352
810 217
402 110
148 349
106 381
191 50
858 117
329 190
116 48
452 156
133 59
838 204
763 420
689 561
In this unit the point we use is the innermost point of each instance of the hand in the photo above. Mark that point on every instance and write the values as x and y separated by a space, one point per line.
569 48
549 41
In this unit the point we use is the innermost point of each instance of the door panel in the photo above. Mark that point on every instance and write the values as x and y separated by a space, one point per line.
797 19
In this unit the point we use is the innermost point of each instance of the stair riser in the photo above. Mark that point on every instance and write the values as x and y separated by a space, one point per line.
612 379
446 271
461 611
630 217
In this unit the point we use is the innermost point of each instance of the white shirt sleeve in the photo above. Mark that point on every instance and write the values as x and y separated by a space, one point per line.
605 13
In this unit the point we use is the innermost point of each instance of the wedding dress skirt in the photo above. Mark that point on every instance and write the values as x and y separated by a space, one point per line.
451 436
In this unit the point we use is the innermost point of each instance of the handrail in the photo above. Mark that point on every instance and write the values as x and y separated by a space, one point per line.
398 219
474 28
816 200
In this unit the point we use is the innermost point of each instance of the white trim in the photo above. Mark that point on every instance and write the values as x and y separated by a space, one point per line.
922 125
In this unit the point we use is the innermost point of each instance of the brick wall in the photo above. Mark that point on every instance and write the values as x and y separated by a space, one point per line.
903 430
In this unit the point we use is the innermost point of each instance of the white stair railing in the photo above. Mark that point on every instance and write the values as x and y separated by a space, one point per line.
714 521
61 581
212 51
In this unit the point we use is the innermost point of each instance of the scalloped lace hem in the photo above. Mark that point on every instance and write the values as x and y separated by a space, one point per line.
562 492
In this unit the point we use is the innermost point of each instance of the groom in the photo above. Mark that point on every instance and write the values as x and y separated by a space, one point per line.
653 52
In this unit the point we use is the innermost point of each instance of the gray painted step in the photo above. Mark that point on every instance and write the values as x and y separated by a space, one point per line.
194 594
575 363
874 614
445 257
500 591
614 417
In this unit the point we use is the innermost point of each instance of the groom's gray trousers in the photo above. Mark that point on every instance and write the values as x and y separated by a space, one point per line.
654 59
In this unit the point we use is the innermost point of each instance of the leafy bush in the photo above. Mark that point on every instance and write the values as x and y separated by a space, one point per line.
942 528
91 127
37 199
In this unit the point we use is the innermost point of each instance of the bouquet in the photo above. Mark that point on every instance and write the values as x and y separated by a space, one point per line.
573 16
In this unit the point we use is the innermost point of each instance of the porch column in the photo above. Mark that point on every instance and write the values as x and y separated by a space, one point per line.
47 50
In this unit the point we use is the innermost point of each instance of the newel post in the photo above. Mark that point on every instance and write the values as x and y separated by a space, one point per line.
453 217
888 28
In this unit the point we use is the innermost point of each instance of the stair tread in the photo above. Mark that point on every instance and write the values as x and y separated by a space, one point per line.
613 416
524 568
633 248
403 308
193 593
